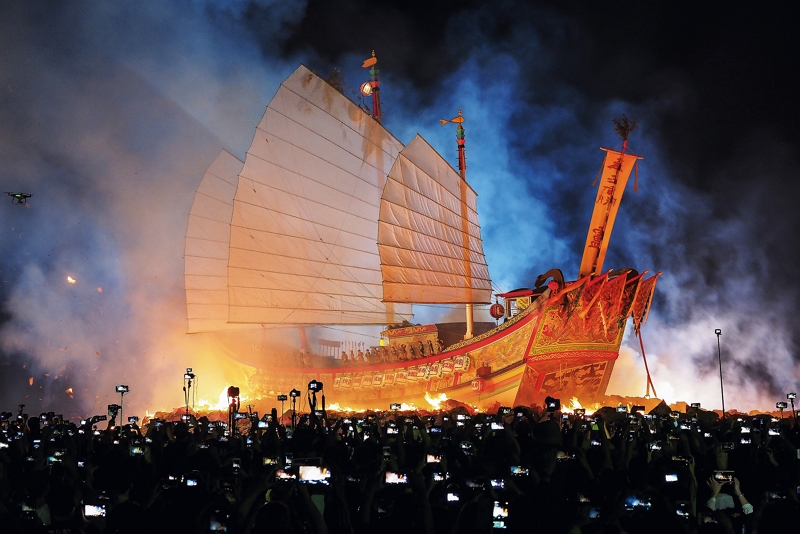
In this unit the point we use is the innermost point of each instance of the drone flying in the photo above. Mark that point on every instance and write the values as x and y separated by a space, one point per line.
20 199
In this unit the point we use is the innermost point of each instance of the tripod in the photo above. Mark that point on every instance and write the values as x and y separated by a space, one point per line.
234 402
294 413
294 394
187 388
122 393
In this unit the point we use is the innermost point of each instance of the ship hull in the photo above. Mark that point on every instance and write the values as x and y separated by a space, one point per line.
563 345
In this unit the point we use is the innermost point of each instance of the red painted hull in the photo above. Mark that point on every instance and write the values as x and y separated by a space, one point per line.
563 345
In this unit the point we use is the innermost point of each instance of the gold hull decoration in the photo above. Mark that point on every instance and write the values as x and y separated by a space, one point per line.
562 345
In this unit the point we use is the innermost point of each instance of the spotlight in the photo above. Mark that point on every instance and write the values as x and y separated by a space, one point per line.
294 394
123 389
282 398
791 396
315 386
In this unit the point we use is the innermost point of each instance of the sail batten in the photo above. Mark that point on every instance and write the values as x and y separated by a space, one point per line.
281 281
322 270
431 259
286 162
432 270
430 227
444 215
428 233
317 218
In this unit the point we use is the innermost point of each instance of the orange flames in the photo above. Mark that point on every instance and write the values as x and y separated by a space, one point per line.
221 404
575 404
435 402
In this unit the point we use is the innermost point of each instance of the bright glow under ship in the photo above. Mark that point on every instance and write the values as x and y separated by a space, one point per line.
332 222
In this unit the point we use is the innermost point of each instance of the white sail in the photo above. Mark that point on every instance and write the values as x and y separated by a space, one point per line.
207 244
429 238
303 234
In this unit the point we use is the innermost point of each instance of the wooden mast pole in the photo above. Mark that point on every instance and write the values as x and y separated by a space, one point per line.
462 171
374 86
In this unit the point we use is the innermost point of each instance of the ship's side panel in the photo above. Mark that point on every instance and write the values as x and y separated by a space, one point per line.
563 345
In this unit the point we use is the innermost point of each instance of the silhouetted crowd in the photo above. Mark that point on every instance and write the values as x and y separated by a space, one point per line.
531 470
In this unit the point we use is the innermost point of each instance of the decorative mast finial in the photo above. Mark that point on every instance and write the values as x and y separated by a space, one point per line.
462 159
624 127
372 87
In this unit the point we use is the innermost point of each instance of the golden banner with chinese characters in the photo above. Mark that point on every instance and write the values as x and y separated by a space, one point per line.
616 170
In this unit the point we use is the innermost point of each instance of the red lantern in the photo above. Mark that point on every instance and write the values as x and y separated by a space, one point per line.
497 311
478 384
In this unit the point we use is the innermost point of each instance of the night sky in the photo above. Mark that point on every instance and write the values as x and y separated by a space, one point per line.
111 112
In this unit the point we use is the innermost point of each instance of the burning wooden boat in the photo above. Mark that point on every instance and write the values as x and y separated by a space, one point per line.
332 221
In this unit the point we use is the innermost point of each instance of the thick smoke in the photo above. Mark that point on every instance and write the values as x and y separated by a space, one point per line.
110 117
111 113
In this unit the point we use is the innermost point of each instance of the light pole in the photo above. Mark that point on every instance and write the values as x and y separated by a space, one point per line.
718 332
791 397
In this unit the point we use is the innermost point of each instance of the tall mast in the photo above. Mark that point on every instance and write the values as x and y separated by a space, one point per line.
373 86
462 170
